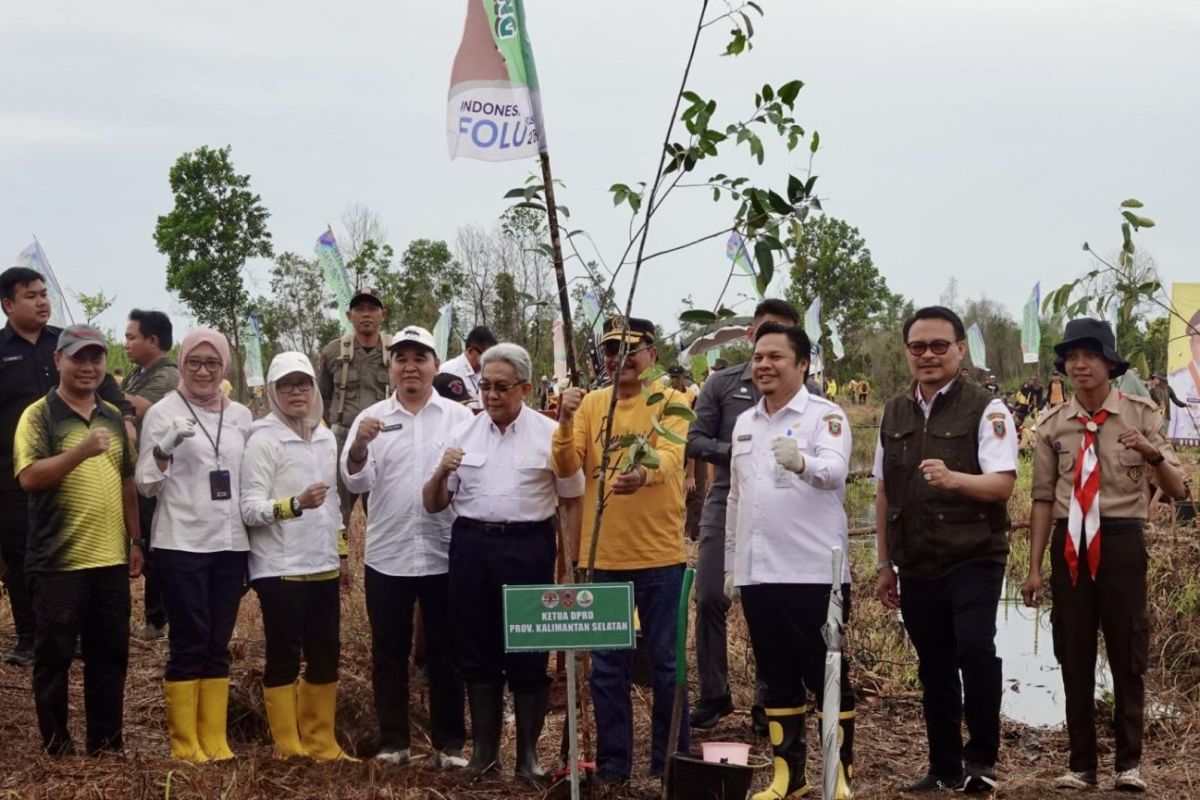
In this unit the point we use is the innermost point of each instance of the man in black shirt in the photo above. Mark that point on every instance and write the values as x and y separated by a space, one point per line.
27 372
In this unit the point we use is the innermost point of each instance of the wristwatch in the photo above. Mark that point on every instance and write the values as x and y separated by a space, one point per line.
882 565
1161 458
138 543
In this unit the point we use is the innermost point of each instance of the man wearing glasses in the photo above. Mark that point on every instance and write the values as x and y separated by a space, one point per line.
497 476
945 466
641 535
392 447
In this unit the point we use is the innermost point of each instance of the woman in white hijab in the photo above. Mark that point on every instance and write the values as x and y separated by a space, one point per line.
297 558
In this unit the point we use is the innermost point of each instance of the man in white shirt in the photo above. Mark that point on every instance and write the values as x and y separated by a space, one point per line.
497 476
393 447
788 463
468 365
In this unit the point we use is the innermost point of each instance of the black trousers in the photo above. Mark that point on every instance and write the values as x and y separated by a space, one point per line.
390 601
156 612
202 592
785 622
92 604
482 560
300 618
952 623
14 536
1113 602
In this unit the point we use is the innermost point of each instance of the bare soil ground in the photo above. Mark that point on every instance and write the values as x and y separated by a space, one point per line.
890 739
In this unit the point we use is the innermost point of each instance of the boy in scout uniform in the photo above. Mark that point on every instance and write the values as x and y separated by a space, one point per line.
1094 458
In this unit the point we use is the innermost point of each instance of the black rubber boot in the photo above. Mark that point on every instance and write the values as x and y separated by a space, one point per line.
530 708
786 729
487 716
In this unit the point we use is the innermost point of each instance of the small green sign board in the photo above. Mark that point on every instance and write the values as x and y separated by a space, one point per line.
585 616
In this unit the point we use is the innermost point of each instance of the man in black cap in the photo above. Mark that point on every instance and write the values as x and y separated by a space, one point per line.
352 374
945 466
467 366
1093 460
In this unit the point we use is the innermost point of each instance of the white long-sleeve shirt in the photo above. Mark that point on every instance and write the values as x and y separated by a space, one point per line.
507 477
403 539
187 518
780 526
277 466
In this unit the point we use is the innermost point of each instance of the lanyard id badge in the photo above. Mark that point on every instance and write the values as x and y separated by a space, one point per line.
220 482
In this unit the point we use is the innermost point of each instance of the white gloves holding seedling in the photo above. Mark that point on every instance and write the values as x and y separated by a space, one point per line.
181 428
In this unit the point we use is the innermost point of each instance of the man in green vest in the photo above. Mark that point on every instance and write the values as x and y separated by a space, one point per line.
352 374
945 466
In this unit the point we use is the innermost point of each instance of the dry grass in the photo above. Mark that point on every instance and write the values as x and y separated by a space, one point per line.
890 741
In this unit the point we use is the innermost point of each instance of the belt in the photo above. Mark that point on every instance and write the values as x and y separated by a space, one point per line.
504 527
1112 526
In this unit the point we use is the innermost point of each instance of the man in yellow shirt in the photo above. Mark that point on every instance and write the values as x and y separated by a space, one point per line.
641 536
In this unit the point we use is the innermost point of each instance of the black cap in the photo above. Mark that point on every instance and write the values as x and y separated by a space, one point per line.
451 387
676 371
637 329
1094 334
366 294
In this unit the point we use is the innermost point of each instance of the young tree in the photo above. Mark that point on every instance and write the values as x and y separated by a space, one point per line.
93 304
832 260
292 317
216 225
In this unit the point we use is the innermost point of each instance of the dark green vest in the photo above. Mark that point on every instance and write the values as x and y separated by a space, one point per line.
931 531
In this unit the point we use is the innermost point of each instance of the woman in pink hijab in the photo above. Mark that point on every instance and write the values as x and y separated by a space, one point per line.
191 454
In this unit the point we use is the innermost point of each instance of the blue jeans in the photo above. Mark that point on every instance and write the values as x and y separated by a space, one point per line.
656 595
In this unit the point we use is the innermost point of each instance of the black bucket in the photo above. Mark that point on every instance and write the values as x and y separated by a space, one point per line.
693 778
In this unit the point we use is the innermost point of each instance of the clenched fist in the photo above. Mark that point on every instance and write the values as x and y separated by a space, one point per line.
313 496
569 403
368 429
95 444
451 460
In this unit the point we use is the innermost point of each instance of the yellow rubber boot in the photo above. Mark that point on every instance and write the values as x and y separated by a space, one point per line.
316 706
182 699
786 729
281 718
210 724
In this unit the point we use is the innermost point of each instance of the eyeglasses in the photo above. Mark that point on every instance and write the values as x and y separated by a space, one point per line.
486 387
611 349
212 365
939 347
294 387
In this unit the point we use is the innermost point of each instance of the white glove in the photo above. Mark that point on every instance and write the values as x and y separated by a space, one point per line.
731 589
787 454
181 428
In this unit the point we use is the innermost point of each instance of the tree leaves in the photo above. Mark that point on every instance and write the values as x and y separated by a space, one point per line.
697 316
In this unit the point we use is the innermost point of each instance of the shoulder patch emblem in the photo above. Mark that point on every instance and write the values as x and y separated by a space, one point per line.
999 428
996 415
835 425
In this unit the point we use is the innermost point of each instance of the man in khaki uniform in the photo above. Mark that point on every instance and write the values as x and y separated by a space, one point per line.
353 374
1094 458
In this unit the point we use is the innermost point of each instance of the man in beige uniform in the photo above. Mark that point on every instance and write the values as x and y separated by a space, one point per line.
352 374
1094 457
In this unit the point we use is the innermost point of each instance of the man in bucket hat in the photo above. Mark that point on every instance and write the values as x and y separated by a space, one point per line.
1094 457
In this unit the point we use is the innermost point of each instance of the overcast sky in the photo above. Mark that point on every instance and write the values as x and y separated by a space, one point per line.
981 140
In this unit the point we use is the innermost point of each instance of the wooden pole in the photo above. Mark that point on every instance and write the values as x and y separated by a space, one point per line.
560 275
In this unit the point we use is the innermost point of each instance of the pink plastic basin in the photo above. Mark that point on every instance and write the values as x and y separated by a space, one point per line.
726 752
